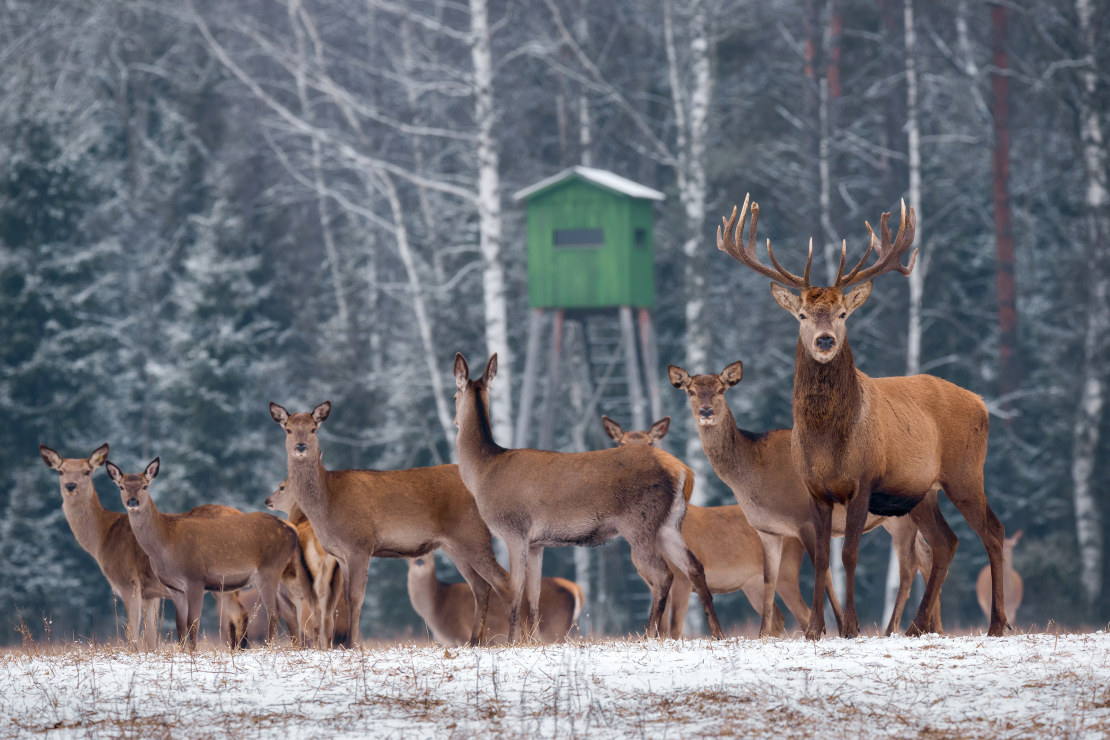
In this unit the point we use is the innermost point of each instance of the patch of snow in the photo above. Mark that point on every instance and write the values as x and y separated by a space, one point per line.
604 178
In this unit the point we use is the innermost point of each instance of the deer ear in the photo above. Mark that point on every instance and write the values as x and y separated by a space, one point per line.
679 377
1017 535
858 297
52 459
462 371
113 472
786 298
491 371
152 469
279 414
659 429
99 456
612 428
732 374
321 412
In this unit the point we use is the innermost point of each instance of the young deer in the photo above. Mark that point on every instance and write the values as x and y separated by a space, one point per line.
533 499
447 608
107 536
357 514
729 549
878 445
1012 586
193 553
323 569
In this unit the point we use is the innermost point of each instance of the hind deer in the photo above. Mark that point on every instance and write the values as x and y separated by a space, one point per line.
357 514
193 553
1012 586
446 608
874 445
534 499
108 537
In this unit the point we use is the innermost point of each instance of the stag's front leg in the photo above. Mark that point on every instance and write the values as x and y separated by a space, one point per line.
903 532
853 531
820 513
772 558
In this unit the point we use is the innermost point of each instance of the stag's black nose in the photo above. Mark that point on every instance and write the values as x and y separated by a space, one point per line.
300 447
132 503
706 412
71 486
826 343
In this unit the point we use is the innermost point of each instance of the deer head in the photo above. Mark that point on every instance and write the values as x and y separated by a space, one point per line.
822 312
75 475
465 387
657 431
134 488
282 499
301 442
707 392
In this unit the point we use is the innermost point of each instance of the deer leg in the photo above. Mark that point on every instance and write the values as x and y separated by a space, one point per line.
481 590
787 585
653 569
678 602
518 568
853 531
133 606
942 542
903 532
181 616
150 620
194 605
335 592
925 563
756 594
356 570
532 582
772 558
820 513
674 547
268 583
969 497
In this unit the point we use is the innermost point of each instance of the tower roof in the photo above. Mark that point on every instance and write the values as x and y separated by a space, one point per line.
602 178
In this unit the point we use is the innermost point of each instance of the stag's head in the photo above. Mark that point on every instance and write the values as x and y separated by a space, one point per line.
707 392
134 488
822 312
657 431
301 442
74 475
282 499
466 390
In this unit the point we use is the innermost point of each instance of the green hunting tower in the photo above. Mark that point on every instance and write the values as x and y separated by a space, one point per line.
591 253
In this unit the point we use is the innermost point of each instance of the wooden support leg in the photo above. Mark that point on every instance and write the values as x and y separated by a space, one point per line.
632 369
528 388
651 365
547 432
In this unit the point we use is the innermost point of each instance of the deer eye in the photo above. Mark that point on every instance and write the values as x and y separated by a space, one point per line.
802 316
689 393
288 432
843 314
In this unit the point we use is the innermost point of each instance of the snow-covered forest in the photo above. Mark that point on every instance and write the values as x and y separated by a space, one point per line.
206 206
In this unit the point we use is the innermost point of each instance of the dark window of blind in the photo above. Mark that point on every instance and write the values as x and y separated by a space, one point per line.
579 238
640 238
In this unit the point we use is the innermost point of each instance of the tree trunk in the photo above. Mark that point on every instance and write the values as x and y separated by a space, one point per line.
1004 235
829 107
1088 418
489 223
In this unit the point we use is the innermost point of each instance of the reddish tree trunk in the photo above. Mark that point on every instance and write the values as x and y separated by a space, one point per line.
814 33
1004 235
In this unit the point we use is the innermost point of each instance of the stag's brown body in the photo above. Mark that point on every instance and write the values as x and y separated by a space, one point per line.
878 445
533 499
357 514
447 608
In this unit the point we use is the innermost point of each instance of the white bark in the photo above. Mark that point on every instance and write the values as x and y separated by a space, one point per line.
585 128
829 236
489 223
1088 522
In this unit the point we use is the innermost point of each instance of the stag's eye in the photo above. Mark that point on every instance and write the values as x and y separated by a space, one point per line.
87 472
288 432
689 393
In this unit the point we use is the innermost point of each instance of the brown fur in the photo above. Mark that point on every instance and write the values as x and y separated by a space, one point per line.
357 514
1012 585
193 553
446 608
533 499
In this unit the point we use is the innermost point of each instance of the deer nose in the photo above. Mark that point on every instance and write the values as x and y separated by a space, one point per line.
132 503
269 503
300 447
706 411
71 486
826 342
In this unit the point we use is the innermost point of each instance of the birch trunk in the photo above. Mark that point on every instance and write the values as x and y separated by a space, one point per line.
692 128
1004 233
829 105
489 223
1088 416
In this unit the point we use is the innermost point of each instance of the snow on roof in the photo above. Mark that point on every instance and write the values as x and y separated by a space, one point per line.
604 178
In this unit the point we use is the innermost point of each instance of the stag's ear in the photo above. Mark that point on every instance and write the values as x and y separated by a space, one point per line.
857 297
279 413
612 428
679 377
462 371
99 456
52 459
491 371
152 469
321 412
786 298
113 472
659 429
732 374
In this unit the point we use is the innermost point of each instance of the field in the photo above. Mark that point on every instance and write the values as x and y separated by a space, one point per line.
1020 686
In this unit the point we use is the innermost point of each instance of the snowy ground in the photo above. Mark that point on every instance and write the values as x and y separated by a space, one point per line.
932 687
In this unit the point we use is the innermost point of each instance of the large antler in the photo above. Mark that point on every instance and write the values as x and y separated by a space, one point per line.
734 233
890 254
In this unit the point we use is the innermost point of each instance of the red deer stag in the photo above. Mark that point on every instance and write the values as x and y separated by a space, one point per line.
357 514
193 553
446 608
534 499
107 536
877 445
1012 586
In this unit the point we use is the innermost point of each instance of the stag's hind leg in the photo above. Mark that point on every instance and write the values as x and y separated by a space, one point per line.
969 497
942 543
903 533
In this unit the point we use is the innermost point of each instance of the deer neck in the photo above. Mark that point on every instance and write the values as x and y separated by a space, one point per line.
89 520
150 528
308 479
427 595
725 444
828 397
475 443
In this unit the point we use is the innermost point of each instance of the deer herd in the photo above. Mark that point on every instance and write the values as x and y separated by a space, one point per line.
862 453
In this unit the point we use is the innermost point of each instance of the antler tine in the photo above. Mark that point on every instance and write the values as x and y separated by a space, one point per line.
890 253
843 256
729 241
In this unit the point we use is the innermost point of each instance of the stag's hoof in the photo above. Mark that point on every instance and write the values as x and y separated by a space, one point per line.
914 630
